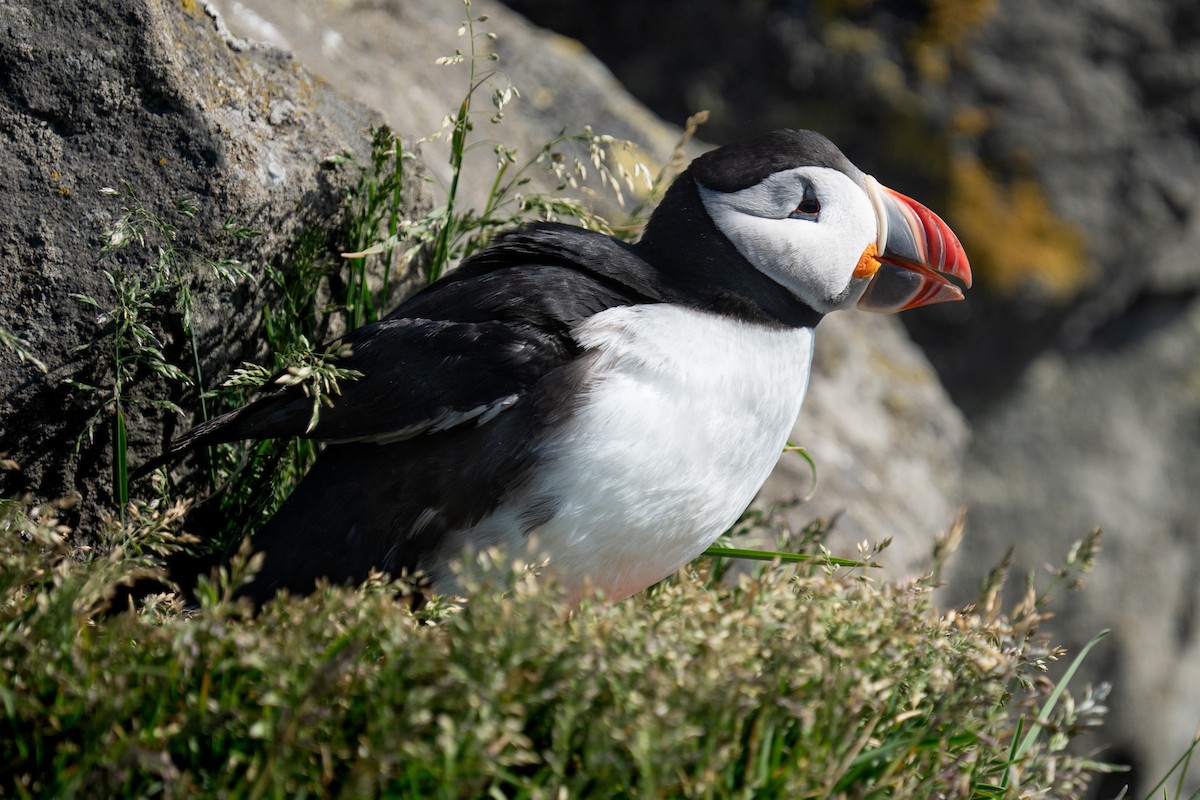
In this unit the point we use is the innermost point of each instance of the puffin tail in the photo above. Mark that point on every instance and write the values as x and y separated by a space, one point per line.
214 431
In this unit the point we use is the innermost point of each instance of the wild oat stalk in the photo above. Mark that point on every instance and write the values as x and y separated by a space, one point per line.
451 231
137 303
316 372
22 349
133 346
675 163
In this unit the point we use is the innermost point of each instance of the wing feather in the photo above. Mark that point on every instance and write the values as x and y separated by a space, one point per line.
462 351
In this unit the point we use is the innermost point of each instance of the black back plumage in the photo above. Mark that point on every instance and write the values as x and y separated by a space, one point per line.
485 331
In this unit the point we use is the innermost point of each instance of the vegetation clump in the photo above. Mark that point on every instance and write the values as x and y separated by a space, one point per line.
783 683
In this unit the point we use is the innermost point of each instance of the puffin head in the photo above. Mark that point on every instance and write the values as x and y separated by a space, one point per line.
798 211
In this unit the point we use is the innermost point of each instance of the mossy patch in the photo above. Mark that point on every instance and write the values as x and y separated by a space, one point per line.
947 26
1014 237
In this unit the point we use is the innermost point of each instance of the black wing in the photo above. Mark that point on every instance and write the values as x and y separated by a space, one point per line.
460 385
460 352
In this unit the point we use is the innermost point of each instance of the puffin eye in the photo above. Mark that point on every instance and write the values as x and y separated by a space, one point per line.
810 206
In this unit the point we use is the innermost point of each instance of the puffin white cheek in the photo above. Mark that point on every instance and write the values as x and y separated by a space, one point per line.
761 241
784 251
777 246
813 260
841 251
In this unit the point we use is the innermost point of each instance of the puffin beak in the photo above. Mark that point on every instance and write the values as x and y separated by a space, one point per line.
913 254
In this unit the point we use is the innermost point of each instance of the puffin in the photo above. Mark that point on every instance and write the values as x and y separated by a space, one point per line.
602 409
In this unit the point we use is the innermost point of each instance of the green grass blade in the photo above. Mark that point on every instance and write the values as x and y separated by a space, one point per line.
1183 761
395 212
1183 770
770 555
1037 726
120 462
1016 743
812 466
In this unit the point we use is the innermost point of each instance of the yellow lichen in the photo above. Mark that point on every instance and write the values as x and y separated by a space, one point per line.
950 21
948 24
1013 237
846 37
971 122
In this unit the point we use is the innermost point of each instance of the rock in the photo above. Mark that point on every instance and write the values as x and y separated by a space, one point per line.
1100 429
887 443
384 54
147 98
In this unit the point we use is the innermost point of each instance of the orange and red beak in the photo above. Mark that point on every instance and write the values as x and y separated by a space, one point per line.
913 253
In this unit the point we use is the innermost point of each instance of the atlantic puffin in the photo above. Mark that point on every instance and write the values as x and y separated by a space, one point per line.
602 408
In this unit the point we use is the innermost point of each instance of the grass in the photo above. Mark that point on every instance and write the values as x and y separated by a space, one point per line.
376 204
1180 766
22 350
803 678
808 682
139 299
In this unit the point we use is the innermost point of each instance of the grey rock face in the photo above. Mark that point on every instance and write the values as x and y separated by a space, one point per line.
148 97
887 443
384 54
1101 101
1102 428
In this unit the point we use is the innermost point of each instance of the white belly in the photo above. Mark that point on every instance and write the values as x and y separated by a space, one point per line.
685 416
